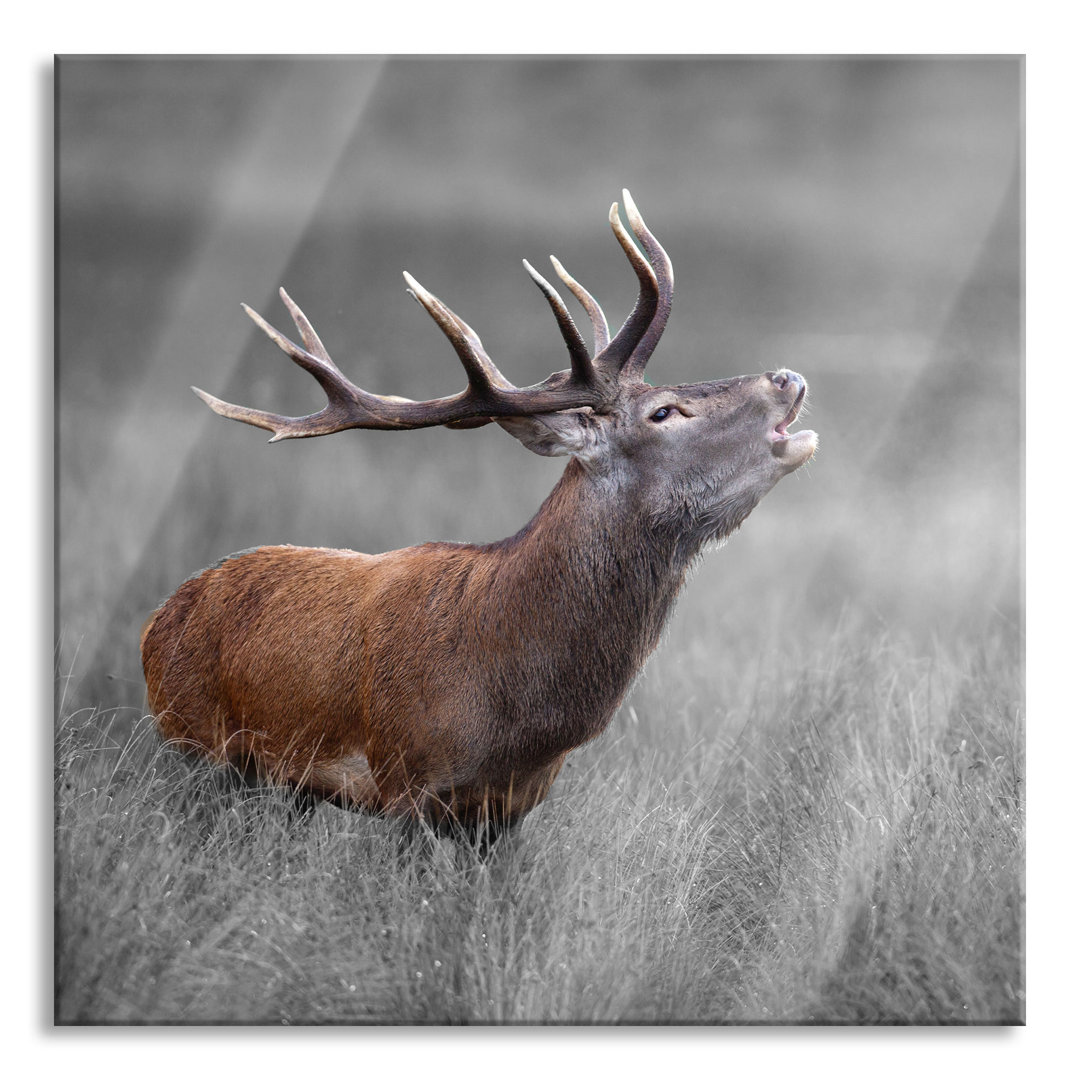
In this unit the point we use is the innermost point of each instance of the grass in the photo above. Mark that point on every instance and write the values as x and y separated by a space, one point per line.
844 846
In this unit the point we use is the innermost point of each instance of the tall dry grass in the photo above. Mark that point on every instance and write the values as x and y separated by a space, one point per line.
846 846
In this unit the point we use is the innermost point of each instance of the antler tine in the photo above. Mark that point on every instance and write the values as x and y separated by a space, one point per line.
612 359
307 331
601 335
347 405
665 279
580 361
256 417
479 367
316 365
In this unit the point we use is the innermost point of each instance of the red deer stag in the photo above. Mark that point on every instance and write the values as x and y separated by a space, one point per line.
447 682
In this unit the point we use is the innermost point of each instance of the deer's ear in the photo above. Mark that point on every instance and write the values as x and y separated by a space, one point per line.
551 434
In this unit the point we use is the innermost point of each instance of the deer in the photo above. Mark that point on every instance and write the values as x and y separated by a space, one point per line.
446 683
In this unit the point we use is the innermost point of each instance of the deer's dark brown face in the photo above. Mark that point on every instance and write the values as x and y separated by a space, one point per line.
737 423
709 452
701 453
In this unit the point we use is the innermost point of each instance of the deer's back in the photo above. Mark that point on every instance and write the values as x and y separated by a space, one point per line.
281 657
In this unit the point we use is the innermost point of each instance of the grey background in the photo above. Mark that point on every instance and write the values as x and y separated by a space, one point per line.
857 220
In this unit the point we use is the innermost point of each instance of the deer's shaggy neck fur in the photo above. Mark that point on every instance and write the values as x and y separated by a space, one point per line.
577 600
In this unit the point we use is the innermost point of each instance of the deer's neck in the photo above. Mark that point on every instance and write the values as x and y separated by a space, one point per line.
584 590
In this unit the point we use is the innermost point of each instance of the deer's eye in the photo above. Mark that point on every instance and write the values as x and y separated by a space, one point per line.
661 414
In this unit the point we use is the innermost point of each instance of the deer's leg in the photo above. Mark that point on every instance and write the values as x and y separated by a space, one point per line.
347 782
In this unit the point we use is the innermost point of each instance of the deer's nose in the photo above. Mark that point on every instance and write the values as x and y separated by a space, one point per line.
782 378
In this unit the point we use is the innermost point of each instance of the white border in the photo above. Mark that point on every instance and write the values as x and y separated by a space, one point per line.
200 27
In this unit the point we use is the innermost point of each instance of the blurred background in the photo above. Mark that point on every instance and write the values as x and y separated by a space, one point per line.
858 220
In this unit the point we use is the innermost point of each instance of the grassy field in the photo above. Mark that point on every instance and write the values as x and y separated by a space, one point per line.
843 845
810 808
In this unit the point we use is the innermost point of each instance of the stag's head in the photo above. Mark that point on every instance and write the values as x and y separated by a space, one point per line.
699 455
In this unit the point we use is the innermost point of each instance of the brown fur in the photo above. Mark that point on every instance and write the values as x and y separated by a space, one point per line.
441 676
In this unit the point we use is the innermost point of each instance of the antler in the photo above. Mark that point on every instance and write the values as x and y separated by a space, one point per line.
590 382
624 358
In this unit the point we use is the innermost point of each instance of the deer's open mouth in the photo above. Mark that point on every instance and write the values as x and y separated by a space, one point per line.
792 449
781 430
